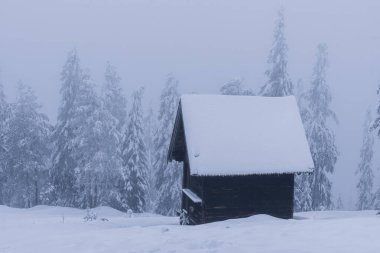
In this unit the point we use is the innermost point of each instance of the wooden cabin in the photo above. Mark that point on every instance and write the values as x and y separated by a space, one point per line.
239 154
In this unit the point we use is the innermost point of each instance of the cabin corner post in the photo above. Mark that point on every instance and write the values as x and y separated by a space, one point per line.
203 221
292 190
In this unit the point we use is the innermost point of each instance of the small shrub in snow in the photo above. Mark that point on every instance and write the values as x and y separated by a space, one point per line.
184 218
129 213
90 215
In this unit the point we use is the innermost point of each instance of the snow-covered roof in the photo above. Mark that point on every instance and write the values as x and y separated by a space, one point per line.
242 135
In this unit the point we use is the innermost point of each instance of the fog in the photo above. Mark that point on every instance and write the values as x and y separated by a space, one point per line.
204 43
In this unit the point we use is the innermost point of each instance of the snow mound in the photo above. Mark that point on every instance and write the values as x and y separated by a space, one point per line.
256 219
107 211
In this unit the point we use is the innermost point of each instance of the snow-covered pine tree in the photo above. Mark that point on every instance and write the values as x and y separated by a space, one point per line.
376 200
150 132
63 174
96 146
235 87
86 160
91 147
135 164
279 83
365 171
169 176
376 126
321 138
28 151
113 116
302 102
4 117
376 123
302 193
302 190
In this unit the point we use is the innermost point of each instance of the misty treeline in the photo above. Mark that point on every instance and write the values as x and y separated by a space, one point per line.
103 150
106 150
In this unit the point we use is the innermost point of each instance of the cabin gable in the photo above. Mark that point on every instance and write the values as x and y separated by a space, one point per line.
178 148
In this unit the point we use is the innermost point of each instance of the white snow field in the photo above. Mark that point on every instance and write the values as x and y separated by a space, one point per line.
56 229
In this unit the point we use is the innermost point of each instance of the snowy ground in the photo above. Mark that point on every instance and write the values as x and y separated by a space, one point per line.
56 229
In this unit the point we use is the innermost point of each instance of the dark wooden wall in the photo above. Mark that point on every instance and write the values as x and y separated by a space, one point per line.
242 196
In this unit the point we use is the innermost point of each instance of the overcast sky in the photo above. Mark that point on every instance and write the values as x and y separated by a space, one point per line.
204 43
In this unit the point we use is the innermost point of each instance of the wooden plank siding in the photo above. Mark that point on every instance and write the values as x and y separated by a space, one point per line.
228 197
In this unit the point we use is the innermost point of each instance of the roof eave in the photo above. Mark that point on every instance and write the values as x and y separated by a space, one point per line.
169 157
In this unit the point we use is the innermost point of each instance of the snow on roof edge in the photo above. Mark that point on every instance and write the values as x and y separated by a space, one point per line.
192 195
310 170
